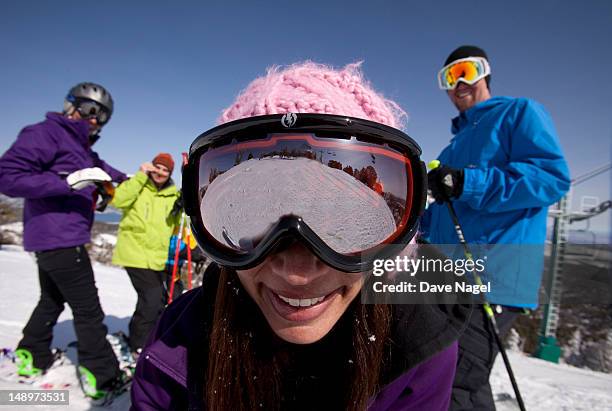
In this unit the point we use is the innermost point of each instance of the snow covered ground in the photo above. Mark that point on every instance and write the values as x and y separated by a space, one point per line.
20 291
545 386
548 386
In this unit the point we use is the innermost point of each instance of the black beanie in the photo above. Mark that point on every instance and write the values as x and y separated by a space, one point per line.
468 51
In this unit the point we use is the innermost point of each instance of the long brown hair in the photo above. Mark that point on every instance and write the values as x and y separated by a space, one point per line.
249 367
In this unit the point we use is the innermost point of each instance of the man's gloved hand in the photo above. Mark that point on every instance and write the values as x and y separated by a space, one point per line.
178 206
445 183
86 176
104 195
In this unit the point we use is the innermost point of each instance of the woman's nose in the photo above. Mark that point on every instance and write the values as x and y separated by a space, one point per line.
297 265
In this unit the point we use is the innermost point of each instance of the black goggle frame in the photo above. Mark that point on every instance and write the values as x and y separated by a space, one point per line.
292 228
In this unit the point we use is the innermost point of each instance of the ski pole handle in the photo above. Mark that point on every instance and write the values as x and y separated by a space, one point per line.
433 164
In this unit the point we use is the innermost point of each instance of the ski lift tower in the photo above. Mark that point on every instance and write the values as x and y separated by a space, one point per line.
548 346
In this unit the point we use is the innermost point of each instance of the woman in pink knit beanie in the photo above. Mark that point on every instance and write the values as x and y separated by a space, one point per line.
304 176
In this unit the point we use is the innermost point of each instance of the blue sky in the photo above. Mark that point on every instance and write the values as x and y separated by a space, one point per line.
173 66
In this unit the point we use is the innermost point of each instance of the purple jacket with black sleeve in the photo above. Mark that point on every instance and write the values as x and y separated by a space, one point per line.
171 370
35 168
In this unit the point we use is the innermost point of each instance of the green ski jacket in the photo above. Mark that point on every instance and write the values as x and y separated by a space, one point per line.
146 225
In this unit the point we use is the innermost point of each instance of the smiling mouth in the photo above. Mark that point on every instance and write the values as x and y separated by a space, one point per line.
302 302
301 309
463 93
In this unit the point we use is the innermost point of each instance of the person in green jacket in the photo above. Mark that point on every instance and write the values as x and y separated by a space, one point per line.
147 201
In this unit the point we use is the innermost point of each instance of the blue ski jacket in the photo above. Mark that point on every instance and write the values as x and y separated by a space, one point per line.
514 169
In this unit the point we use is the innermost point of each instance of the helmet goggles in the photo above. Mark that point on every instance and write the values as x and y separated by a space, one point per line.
468 70
90 109
347 188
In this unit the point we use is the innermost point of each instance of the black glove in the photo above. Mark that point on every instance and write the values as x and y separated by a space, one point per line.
105 191
178 206
445 183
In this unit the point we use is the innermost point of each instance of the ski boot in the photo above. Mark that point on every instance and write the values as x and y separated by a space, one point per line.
106 395
25 364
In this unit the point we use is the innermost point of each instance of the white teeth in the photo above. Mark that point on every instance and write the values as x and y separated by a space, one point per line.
305 302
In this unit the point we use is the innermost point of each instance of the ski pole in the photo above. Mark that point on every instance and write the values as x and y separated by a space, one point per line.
176 258
485 304
189 259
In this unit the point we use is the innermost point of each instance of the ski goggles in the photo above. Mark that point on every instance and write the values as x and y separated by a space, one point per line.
347 188
469 70
90 109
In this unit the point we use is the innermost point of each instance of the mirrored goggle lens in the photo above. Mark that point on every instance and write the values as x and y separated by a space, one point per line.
470 71
353 195
90 109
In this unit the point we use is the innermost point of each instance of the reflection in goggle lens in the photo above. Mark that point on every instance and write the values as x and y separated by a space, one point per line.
466 70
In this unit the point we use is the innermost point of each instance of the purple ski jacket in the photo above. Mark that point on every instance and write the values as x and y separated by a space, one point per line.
35 168
169 371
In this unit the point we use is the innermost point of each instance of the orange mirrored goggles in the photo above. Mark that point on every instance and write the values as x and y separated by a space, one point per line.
468 70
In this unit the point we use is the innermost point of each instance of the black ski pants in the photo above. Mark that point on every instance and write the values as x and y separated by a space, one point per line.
477 352
66 276
149 286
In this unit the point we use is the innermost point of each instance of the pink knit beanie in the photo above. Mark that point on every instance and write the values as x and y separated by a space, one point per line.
314 88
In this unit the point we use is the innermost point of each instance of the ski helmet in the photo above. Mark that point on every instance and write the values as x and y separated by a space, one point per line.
93 92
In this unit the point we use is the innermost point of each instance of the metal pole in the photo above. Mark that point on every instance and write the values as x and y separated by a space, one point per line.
488 310
548 347
179 237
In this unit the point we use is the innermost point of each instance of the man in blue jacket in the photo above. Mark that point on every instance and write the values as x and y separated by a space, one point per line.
502 169
52 166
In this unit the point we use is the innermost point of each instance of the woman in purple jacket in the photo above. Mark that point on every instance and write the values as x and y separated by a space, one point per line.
53 167
294 209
